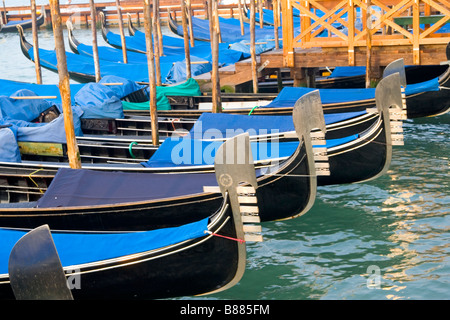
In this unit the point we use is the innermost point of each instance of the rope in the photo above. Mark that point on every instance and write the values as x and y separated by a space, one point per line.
175 129
252 110
29 176
444 88
221 236
130 149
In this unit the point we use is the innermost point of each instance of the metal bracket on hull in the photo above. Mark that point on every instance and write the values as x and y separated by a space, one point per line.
235 173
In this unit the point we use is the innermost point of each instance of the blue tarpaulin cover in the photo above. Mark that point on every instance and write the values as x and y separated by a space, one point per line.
227 56
230 32
9 87
185 151
79 248
194 152
53 131
220 123
289 95
99 101
9 149
83 65
19 109
88 187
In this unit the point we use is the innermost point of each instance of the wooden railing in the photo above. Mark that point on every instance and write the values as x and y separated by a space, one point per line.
343 23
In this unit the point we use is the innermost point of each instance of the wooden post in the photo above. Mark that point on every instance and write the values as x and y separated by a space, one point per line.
151 72
252 46
261 17
122 34
157 17
186 39
416 32
156 46
4 11
37 61
288 34
216 21
276 21
191 27
94 41
215 81
64 87
241 17
368 44
351 33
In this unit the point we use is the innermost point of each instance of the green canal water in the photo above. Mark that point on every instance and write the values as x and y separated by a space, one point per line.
385 239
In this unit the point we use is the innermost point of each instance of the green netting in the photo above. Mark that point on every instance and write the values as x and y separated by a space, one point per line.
188 88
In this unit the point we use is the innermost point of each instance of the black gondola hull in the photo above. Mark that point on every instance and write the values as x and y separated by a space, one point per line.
193 267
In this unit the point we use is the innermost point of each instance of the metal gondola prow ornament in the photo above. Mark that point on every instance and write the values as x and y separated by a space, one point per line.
35 271
236 176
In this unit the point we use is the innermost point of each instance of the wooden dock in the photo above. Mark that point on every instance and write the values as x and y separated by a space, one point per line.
407 29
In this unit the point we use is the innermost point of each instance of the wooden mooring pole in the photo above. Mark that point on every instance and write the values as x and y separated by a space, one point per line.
151 72
157 17
191 27
252 46
64 87
186 39
37 60
94 40
241 17
368 44
122 34
214 36
156 40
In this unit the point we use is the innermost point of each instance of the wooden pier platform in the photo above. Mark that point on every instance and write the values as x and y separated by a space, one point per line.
384 30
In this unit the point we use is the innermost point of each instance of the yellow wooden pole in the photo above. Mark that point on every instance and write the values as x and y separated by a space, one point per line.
252 46
64 87
215 81
122 34
241 17
156 39
368 44
151 72
186 39
94 41
37 61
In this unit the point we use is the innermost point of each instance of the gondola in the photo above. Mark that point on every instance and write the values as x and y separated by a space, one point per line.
230 32
341 79
11 26
292 180
424 99
115 42
204 256
173 57
81 68
357 158
143 201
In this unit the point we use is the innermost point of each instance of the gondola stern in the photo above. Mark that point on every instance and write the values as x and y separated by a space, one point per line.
389 97
105 30
73 42
236 176
25 46
237 182
131 28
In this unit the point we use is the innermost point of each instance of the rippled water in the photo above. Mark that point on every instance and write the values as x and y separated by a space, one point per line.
383 239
